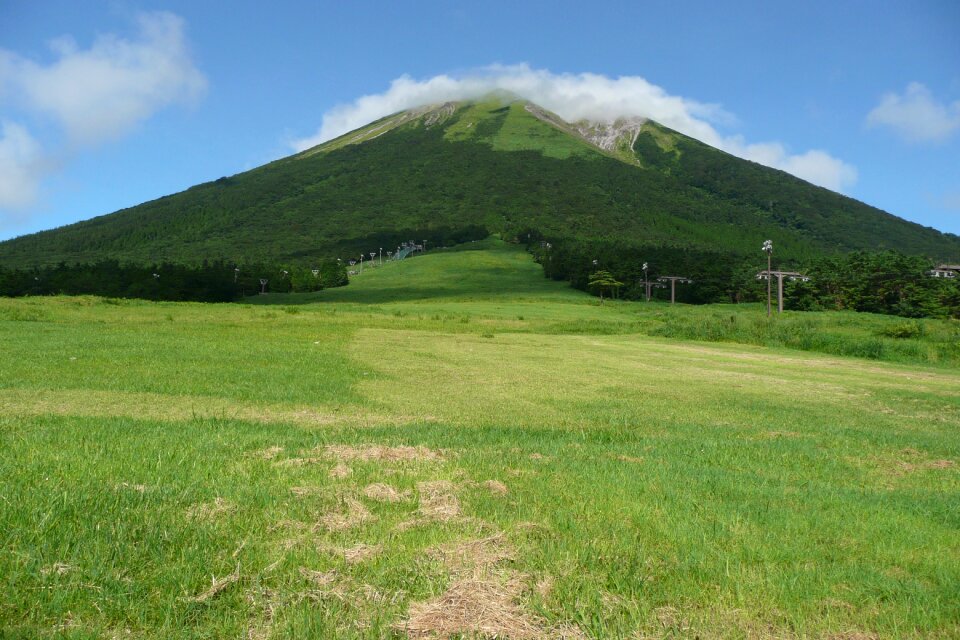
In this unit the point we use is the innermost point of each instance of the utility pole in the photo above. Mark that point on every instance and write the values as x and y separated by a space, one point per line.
673 280
768 276
768 249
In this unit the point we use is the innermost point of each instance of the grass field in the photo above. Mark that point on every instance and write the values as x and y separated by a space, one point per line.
454 446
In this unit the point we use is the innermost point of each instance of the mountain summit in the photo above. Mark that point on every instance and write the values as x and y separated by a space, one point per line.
500 163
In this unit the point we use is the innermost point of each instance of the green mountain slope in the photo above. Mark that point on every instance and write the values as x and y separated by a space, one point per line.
502 163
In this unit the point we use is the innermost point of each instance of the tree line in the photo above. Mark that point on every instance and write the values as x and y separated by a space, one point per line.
887 282
216 281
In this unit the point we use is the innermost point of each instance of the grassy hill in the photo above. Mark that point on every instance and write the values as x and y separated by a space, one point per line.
454 441
503 164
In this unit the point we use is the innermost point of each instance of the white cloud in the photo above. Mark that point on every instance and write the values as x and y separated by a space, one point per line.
100 93
916 116
583 96
20 170
93 95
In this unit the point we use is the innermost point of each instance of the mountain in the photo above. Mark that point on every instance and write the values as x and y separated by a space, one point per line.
439 172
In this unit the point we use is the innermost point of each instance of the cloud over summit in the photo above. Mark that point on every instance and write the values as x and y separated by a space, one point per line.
582 96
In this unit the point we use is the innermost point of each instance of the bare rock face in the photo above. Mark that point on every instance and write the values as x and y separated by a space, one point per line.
603 135
608 135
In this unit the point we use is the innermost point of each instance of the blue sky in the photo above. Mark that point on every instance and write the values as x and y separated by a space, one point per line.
104 105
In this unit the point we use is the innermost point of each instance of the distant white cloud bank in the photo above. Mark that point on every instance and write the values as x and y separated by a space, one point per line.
587 96
916 116
93 96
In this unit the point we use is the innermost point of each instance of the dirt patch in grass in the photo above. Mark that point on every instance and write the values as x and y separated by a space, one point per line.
633 459
385 493
210 511
380 453
352 513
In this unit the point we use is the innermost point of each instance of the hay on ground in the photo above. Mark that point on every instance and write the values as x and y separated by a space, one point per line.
298 462
217 586
438 500
360 552
496 487
269 453
380 453
307 491
139 488
210 510
326 585
353 514
384 493
469 607
477 556
340 471
57 568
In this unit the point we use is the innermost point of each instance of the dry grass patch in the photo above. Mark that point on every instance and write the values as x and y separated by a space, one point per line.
385 493
210 511
380 453
488 608
57 569
139 488
476 556
340 471
438 500
496 487
218 586
361 552
307 491
269 453
298 462
352 513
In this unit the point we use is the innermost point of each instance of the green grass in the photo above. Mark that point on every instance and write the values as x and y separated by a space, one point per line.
656 486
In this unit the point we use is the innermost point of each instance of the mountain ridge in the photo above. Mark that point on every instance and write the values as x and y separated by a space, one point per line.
502 163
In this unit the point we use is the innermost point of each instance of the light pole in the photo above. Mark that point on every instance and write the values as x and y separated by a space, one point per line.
768 249
236 272
646 281
361 263
381 256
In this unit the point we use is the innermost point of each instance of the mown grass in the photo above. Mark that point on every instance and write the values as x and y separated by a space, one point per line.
655 486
